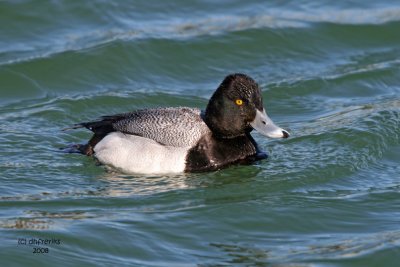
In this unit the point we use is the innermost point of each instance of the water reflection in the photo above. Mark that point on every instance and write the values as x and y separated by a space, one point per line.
120 185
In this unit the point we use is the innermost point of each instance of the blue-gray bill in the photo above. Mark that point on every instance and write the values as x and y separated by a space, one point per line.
265 126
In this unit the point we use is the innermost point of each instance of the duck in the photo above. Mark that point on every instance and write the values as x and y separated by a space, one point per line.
185 139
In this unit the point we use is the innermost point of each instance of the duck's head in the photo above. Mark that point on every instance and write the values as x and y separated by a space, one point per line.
236 108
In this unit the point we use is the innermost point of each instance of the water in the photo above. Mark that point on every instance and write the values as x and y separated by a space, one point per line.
327 196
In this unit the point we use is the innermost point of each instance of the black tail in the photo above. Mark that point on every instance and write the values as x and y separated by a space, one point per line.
100 129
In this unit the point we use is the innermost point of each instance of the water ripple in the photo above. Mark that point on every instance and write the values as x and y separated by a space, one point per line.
179 29
308 248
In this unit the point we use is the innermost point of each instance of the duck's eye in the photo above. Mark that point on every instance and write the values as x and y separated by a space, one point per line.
239 102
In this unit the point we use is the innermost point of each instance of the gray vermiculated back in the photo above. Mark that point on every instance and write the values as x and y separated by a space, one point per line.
180 127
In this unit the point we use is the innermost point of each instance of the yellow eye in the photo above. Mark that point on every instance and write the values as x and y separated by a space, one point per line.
239 102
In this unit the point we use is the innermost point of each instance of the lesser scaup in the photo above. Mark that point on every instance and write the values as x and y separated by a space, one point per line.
182 139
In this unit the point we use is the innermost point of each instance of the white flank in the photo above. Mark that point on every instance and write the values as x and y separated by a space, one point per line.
135 154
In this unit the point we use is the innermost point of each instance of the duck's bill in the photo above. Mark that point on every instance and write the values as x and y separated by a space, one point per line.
265 126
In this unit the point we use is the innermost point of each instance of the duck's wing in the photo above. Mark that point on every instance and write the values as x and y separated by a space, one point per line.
179 127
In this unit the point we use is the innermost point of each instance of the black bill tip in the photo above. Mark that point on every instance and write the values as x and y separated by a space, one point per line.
285 134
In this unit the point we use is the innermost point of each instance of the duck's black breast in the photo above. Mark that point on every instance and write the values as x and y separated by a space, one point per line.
211 153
